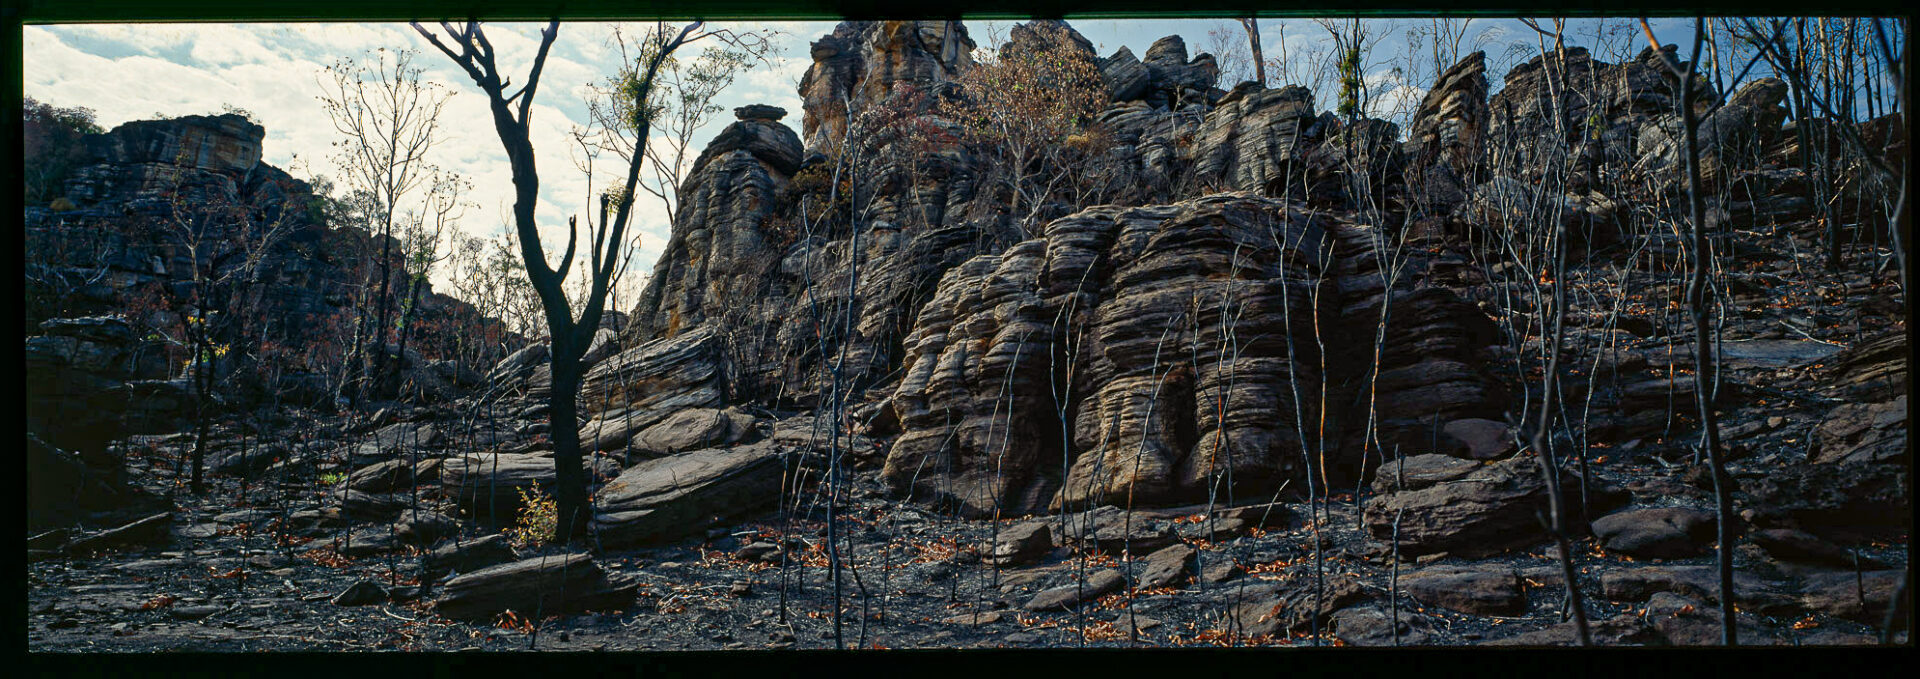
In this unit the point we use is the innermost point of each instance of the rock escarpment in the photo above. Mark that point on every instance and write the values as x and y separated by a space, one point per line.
172 220
1150 354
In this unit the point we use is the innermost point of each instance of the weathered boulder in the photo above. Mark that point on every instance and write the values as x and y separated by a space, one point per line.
1123 280
1861 597
1022 544
1170 566
489 484
64 486
1481 439
1111 529
1613 102
361 593
1126 78
666 498
1476 591
397 439
1873 370
78 396
1420 471
1702 582
859 63
1494 508
1657 533
1831 499
396 474
261 258
468 556
1174 81
1372 625
1251 143
533 588
1787 544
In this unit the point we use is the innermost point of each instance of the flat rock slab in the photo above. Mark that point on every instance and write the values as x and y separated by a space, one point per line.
1775 353
1468 590
1620 630
151 529
693 429
1683 621
489 484
469 555
1421 471
1371 625
1064 597
1700 582
1114 529
532 588
1861 597
1658 533
397 438
1787 544
671 497
1864 433
361 593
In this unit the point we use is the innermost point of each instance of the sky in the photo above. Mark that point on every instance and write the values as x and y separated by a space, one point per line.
133 72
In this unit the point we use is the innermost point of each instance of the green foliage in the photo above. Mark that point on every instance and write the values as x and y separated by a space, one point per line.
1350 82
332 478
539 517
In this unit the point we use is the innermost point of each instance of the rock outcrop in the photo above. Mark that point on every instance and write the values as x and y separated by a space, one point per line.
120 248
671 497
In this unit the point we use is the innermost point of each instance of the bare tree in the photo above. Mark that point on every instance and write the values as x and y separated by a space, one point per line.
1252 25
227 239
1697 298
569 336
679 104
388 119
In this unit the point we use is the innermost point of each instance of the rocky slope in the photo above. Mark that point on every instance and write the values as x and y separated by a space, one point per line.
1275 385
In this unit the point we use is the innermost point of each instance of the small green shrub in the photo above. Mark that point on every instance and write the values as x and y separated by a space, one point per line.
539 516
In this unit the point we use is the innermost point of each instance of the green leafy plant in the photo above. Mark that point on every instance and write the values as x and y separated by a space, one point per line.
539 516
331 478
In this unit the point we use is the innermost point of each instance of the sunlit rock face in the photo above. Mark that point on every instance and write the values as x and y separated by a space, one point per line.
858 64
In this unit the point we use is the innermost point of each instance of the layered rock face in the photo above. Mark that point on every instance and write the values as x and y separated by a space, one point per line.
721 252
1150 354
1444 139
779 272
812 271
933 285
